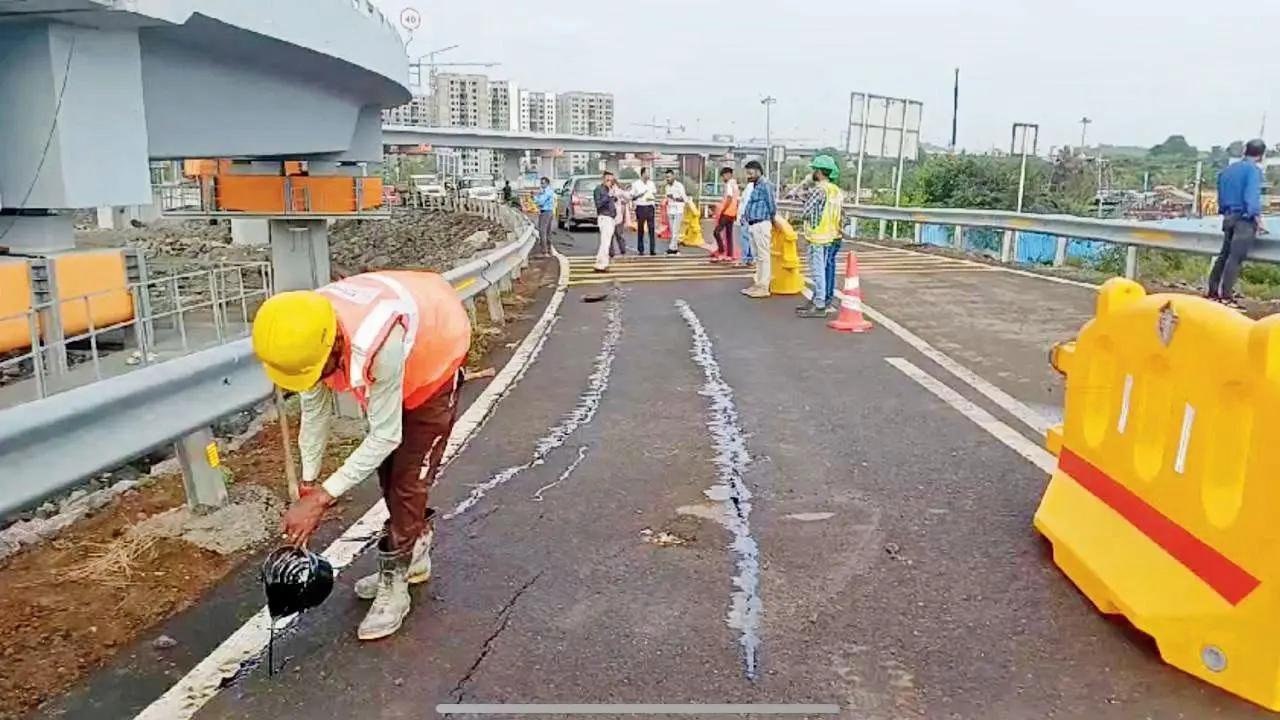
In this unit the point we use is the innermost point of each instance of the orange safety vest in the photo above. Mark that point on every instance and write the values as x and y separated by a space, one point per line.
437 330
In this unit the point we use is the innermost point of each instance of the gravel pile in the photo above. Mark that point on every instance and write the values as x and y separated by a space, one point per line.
411 239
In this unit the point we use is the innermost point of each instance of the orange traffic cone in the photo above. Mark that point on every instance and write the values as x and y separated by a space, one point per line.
850 318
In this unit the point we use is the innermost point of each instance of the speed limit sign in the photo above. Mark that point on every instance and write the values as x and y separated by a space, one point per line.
410 19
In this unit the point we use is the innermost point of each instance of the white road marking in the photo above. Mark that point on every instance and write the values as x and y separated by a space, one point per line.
1013 406
195 689
1037 455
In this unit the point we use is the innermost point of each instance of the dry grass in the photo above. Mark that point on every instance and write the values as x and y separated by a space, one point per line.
113 563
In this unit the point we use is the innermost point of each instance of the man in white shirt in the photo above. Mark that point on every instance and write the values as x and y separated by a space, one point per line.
645 194
676 198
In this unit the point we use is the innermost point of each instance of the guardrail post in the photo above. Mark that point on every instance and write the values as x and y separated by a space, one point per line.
1060 252
880 235
470 305
44 295
1006 246
1131 262
957 240
201 470
493 298
919 233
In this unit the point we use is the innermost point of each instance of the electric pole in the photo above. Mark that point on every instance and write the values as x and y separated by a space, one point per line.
955 110
767 101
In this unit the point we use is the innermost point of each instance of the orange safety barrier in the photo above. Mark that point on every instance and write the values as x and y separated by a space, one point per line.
315 194
103 277
1163 505
15 303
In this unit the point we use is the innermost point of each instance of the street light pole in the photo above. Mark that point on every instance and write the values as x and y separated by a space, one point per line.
768 137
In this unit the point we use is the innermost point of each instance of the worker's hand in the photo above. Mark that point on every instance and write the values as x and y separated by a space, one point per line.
304 516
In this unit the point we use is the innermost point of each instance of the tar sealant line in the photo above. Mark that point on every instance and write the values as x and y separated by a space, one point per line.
582 454
582 413
731 460
242 649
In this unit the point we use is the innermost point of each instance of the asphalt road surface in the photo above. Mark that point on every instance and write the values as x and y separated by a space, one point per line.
696 497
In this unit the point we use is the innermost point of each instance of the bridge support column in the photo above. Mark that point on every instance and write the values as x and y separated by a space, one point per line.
250 233
299 253
511 166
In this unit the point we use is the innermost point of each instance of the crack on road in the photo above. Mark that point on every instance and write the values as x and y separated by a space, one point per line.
732 460
504 618
582 413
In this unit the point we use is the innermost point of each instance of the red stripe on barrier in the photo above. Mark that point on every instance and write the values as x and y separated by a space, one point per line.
1229 580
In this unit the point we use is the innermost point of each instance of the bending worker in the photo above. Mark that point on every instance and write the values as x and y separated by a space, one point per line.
396 341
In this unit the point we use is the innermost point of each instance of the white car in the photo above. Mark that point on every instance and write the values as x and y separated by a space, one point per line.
478 188
427 185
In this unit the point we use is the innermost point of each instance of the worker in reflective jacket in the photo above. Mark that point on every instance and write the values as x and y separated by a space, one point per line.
396 341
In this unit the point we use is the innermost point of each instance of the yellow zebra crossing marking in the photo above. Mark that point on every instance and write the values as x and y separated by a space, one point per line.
630 268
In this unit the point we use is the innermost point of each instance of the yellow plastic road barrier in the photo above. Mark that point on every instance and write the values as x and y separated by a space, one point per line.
786 279
1165 506
691 229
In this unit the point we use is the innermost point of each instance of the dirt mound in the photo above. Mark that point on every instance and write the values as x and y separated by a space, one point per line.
410 239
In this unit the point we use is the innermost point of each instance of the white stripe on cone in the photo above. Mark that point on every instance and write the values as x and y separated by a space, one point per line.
852 283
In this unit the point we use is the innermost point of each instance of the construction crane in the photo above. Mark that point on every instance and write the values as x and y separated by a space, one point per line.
656 127
415 70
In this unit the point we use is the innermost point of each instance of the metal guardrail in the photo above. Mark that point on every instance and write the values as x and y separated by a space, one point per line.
1120 232
50 445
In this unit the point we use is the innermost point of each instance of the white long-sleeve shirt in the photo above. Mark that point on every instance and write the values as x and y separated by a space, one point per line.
676 197
644 192
385 414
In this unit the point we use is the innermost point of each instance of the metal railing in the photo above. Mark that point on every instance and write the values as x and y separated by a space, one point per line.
171 316
1130 234
52 444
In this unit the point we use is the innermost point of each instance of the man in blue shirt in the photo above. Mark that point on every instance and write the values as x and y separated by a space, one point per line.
546 202
1240 202
758 215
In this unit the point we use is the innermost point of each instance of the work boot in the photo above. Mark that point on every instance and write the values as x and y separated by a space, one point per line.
756 291
813 311
419 569
391 604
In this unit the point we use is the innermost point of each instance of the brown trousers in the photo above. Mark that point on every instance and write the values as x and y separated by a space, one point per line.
408 473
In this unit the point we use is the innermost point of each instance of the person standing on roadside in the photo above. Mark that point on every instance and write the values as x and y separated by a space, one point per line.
744 234
758 215
822 223
644 193
546 202
1240 202
726 216
676 198
606 218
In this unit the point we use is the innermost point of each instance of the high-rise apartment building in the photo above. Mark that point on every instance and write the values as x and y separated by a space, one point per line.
584 113
415 112
465 100
537 112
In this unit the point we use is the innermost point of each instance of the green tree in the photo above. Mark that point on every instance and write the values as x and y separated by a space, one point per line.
1174 146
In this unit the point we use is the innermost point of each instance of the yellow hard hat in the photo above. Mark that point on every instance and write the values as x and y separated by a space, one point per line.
293 335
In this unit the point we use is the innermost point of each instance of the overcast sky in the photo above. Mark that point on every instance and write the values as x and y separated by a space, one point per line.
1141 69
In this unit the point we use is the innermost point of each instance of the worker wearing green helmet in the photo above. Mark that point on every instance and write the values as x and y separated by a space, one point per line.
822 228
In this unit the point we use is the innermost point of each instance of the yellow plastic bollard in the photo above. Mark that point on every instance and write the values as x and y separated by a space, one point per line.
691 229
1163 505
786 278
